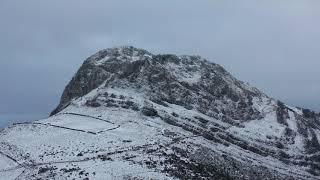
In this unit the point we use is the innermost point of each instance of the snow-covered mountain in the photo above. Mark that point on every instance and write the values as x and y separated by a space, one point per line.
130 114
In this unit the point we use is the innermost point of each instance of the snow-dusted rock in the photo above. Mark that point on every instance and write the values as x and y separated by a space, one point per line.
129 114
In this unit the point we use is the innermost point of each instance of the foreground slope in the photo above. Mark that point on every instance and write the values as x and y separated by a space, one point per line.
130 114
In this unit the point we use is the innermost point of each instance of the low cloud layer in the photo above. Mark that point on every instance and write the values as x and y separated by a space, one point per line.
273 44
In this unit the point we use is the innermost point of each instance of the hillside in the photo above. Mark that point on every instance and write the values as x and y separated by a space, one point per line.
130 114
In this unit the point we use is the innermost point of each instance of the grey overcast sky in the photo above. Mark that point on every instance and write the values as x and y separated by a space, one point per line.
272 44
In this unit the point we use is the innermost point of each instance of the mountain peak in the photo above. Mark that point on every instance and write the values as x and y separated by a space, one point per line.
130 114
123 53
161 75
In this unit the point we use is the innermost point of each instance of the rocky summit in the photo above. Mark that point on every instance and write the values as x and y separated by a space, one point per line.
130 114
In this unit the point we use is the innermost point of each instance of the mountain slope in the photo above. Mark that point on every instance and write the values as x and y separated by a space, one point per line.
130 114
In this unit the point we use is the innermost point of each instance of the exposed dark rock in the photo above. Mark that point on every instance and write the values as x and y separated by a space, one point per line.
282 113
86 79
93 103
307 113
149 111
202 120
312 145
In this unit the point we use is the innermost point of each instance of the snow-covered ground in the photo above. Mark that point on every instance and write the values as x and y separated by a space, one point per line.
113 143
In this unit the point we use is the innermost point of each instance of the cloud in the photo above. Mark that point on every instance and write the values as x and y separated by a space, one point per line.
270 44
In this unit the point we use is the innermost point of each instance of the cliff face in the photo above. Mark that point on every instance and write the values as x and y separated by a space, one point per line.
176 116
